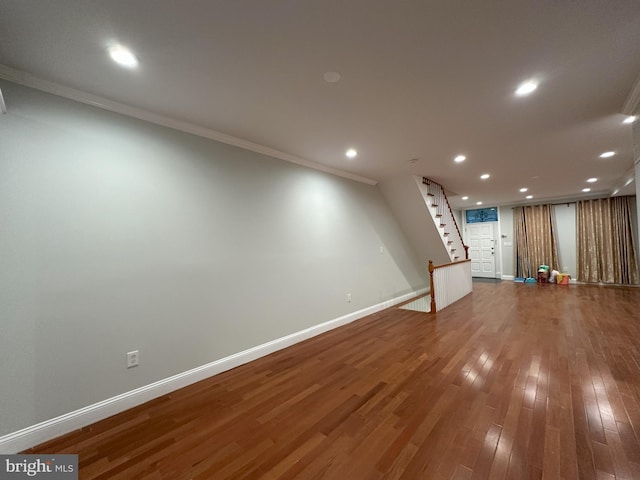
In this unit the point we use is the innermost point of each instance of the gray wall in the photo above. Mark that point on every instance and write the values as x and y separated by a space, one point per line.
565 218
116 234
507 244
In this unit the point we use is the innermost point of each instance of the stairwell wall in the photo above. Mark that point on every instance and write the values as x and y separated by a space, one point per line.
409 208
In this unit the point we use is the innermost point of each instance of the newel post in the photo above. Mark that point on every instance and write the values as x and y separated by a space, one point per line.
433 293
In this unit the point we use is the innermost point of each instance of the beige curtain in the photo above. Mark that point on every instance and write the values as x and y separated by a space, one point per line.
535 238
606 249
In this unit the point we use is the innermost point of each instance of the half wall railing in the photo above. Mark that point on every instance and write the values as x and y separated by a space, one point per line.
449 283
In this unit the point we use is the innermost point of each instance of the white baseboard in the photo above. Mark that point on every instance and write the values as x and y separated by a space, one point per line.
508 277
55 427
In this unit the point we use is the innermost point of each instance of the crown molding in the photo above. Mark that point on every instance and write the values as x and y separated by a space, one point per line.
632 104
3 106
29 80
625 186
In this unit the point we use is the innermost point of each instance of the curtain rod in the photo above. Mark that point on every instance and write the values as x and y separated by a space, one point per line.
572 202
552 204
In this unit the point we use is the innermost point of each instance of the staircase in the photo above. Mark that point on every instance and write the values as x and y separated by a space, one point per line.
443 218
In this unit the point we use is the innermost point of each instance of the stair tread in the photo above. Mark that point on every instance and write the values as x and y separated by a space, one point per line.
442 217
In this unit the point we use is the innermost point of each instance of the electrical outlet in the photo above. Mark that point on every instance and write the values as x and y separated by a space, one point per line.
381 249
348 297
133 359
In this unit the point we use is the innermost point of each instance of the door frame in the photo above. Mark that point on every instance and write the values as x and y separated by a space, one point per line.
497 234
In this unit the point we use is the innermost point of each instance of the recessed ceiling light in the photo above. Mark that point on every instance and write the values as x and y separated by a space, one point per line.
478 203
607 154
465 198
523 189
123 56
484 176
630 119
529 197
592 180
351 153
586 189
331 77
526 88
460 159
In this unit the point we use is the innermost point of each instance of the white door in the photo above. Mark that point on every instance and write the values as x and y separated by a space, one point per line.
481 249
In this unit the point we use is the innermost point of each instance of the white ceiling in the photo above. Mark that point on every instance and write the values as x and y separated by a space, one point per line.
421 79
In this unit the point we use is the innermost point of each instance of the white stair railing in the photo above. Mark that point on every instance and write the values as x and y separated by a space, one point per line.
445 221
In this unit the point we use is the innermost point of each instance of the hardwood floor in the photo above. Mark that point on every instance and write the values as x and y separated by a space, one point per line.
514 381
